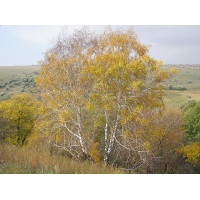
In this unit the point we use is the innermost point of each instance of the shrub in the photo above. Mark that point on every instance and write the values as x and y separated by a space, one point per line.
20 111
191 117
157 139
171 87
191 153
180 88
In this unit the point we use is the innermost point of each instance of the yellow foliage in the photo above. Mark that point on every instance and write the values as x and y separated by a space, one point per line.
136 85
21 111
94 152
110 73
58 138
158 133
88 106
173 71
126 133
33 138
146 146
190 152
63 116
161 75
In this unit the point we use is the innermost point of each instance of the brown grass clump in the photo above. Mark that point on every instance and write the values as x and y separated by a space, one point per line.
37 160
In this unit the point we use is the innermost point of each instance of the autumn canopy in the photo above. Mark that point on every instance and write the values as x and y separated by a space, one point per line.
98 89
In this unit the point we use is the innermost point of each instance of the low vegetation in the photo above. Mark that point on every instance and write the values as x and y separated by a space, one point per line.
19 79
37 160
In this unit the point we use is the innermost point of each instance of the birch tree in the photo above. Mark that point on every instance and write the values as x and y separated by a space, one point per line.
99 86
65 92
127 85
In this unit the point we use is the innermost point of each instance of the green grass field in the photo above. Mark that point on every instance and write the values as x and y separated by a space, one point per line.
17 79
188 77
9 72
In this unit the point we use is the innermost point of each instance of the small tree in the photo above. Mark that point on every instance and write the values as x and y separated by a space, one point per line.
65 94
191 124
6 128
191 117
191 153
20 111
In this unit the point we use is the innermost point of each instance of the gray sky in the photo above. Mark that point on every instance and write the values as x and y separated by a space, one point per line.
172 44
25 45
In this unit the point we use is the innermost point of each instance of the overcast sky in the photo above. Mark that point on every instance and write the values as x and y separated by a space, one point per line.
25 45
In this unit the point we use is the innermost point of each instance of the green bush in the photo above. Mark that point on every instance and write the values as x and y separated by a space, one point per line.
180 88
191 117
171 87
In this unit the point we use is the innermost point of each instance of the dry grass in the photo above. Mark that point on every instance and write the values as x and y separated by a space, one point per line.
175 99
32 160
9 72
188 76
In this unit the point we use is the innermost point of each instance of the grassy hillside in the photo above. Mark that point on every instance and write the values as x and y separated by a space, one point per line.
17 79
184 86
10 72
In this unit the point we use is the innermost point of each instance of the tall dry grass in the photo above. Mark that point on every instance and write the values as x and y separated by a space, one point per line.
37 160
